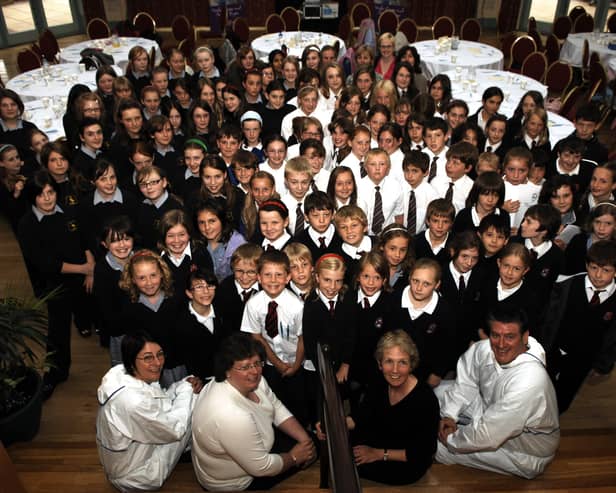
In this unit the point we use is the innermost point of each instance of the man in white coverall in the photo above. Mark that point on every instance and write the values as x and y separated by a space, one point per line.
500 414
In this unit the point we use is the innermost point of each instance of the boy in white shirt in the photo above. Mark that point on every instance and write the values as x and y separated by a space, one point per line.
417 193
435 135
297 178
456 185
520 193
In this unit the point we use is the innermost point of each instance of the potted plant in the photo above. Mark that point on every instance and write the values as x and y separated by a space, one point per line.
23 342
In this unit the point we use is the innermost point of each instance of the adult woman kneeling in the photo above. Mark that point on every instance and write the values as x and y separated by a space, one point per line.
142 429
235 446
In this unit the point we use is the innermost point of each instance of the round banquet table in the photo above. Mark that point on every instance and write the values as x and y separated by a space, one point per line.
118 48
56 80
468 54
47 115
573 47
295 42
513 86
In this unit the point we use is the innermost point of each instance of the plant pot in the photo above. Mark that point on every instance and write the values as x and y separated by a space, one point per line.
23 425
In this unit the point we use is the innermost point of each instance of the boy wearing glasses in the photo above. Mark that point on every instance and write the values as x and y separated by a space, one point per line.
274 318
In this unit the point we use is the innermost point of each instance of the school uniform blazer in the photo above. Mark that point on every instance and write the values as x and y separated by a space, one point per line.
432 334
464 220
305 239
339 331
424 250
575 254
228 305
581 181
169 163
594 151
148 220
200 259
197 346
520 142
110 300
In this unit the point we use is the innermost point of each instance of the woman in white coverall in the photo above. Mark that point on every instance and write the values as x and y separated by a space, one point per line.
141 428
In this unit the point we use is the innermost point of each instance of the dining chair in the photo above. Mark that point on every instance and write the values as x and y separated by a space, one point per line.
597 88
144 23
187 47
387 22
534 66
584 24
359 12
27 60
409 28
570 103
470 30
291 18
345 28
182 28
558 78
443 26
506 42
576 12
532 23
49 46
552 48
533 33
562 27
522 47
98 28
274 24
611 23
597 74
241 29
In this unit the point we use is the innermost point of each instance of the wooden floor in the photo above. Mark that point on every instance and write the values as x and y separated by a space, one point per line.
63 457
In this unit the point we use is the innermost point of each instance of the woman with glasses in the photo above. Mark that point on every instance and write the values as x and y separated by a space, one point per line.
386 59
235 446
141 428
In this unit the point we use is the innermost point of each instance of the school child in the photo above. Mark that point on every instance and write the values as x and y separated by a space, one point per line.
377 116
375 303
587 119
342 187
273 223
251 85
390 139
302 269
91 136
352 226
379 195
510 288
600 225
396 245
602 186
341 130
180 250
106 201
150 102
434 134
314 151
520 193
536 173
539 227
569 162
205 66
160 80
487 161
147 280
140 155
129 130
558 190
138 68
587 301
298 178
432 243
274 317
261 189
153 185
55 158
244 164
456 184
12 200
428 319
251 123
320 236
416 191
160 130
117 240
58 262
276 152
331 317
228 141
360 145
495 136
187 180
233 292
199 328
414 132
486 197
275 109
493 232
38 139
461 285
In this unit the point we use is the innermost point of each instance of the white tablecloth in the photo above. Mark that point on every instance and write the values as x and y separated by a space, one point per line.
119 52
49 119
573 47
513 86
295 41
56 82
468 54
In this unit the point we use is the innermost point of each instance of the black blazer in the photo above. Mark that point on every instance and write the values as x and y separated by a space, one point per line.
315 250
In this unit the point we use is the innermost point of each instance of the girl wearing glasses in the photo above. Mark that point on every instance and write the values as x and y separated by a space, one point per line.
141 428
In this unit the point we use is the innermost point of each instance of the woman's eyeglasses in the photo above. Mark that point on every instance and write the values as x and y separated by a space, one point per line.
148 358
257 365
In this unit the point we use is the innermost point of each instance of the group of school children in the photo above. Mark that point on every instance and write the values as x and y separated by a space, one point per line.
213 203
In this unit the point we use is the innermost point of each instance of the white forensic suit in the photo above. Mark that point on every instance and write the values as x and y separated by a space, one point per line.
141 429
514 427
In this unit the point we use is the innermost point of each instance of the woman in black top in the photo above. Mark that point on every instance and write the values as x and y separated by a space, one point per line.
13 129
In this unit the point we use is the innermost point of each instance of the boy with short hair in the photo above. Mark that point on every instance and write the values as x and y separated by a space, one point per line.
274 317
320 237
536 174
228 139
416 191
160 80
297 179
251 82
586 121
275 109
251 123
302 269
432 243
434 134
90 150
235 290
580 329
493 232
569 162
456 185
314 151
415 128
520 193
360 145
379 195
150 102
487 161
352 226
